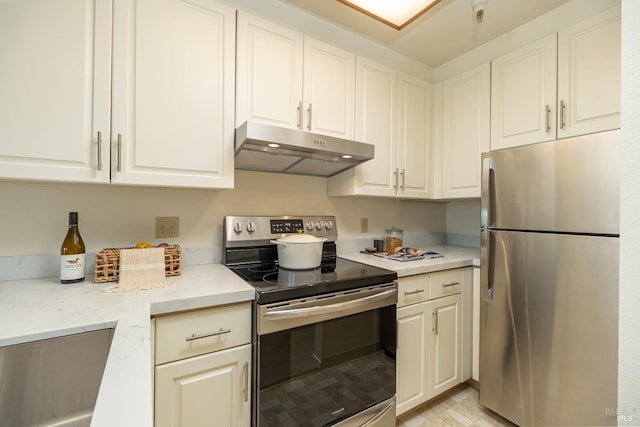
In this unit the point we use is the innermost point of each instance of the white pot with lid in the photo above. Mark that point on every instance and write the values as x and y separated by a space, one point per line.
299 251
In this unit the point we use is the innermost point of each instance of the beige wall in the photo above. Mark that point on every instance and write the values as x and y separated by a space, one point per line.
33 218
463 218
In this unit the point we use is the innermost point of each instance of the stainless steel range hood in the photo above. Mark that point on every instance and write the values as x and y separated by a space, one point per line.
262 147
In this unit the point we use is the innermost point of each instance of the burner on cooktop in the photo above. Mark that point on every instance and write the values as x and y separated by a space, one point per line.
284 277
263 268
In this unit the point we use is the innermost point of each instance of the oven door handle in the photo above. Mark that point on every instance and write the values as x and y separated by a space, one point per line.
288 313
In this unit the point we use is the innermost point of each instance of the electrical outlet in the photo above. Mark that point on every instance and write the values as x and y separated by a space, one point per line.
167 226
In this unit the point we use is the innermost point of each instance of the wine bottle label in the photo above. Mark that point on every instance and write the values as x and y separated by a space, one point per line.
71 267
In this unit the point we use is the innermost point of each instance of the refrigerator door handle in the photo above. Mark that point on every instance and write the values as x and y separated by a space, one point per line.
486 265
486 193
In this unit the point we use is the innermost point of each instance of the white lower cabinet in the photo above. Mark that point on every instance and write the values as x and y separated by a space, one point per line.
445 350
433 335
203 367
211 389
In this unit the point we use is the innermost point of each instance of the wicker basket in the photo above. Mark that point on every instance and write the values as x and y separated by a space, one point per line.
108 263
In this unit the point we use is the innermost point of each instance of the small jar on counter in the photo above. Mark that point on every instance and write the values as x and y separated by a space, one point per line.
393 238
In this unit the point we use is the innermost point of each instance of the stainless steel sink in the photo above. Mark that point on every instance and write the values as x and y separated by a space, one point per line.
53 382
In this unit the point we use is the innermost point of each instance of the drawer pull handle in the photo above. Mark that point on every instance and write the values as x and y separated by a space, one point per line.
417 291
446 285
208 334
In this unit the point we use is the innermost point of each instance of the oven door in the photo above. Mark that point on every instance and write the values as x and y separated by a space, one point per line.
327 359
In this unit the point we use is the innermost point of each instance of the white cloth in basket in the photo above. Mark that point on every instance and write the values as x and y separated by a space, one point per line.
141 269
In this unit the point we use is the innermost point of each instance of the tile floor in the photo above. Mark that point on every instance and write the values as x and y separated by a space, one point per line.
457 407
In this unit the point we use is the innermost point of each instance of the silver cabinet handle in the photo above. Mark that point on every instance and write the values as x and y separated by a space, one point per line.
245 388
300 115
563 106
404 178
417 291
208 334
309 111
446 285
547 118
435 314
395 174
99 167
119 163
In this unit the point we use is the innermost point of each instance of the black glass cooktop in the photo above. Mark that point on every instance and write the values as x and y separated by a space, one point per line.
275 284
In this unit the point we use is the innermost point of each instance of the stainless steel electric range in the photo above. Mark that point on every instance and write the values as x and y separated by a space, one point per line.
324 338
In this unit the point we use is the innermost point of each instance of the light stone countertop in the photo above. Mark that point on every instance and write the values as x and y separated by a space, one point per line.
35 309
454 257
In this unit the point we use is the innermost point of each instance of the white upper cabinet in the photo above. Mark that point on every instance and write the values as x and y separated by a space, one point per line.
165 115
376 123
589 76
414 137
393 112
465 132
523 95
269 74
290 80
55 90
173 93
535 98
329 89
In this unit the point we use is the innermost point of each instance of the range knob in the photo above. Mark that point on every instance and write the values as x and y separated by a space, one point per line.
328 225
237 227
319 225
251 227
310 225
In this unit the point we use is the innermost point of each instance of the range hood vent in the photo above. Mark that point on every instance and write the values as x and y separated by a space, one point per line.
267 148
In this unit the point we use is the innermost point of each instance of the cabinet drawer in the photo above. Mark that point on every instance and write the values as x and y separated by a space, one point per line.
193 333
443 283
413 289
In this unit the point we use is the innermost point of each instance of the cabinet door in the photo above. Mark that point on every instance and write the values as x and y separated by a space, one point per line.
329 89
173 84
445 344
414 137
589 75
465 131
55 62
523 95
269 87
208 390
412 357
376 123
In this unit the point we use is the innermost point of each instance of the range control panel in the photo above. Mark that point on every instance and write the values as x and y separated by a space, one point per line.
259 230
284 226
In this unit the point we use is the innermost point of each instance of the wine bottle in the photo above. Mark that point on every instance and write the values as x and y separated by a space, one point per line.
72 253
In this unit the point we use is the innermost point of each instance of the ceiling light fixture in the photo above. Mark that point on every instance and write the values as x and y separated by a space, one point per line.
396 14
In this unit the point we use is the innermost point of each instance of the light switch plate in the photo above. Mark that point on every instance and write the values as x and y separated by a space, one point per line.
364 225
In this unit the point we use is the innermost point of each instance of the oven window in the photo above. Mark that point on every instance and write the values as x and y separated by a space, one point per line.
318 374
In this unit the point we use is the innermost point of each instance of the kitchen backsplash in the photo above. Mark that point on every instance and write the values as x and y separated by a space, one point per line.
34 218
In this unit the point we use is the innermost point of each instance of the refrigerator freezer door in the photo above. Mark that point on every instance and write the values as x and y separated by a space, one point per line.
569 185
548 352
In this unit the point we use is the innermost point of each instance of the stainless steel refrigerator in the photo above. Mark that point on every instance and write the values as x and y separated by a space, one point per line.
549 282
